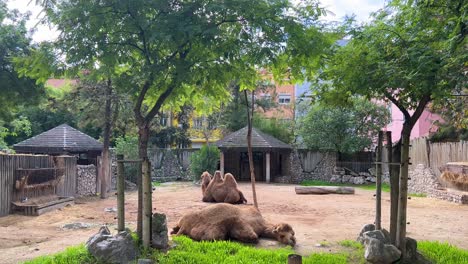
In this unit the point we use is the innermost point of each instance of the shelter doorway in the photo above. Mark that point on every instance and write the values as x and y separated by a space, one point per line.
259 161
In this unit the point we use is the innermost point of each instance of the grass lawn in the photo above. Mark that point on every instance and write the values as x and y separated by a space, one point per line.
188 251
369 187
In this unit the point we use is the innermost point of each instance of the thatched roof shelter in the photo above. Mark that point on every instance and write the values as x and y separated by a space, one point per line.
270 155
62 139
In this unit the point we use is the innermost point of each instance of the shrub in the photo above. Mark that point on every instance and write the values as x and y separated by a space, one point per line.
206 159
128 146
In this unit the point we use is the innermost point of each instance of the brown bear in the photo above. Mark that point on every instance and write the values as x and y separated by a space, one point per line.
226 221
223 191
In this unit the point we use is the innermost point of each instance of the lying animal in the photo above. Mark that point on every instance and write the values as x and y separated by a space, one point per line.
223 191
227 221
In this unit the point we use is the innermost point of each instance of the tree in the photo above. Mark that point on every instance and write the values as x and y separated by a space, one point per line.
344 129
178 51
15 91
412 53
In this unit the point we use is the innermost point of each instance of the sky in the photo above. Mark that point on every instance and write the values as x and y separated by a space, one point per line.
338 9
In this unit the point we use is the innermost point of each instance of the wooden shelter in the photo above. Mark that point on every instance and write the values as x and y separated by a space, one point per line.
63 140
270 155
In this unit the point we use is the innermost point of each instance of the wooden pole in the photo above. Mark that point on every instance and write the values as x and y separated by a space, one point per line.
120 194
378 184
147 203
268 167
294 259
221 163
394 187
403 195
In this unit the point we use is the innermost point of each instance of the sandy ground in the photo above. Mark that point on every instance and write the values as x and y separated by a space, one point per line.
315 219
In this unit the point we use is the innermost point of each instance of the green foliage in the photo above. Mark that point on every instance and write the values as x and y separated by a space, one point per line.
127 146
205 159
72 255
15 91
280 129
439 252
344 129
351 244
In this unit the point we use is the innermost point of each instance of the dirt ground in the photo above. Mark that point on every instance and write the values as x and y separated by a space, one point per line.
316 219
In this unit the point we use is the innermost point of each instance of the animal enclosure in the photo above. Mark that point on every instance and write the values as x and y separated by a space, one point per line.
35 182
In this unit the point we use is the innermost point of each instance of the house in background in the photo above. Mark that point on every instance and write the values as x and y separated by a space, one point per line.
425 126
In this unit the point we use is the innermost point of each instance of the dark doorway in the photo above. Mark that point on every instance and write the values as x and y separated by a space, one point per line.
258 158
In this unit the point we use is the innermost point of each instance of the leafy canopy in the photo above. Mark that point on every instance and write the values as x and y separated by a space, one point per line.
344 129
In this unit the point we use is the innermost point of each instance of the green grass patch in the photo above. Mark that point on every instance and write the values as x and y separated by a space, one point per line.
351 244
439 252
369 187
72 255
189 251
155 184
418 195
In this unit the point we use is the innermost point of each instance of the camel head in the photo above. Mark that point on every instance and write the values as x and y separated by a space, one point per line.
217 176
205 178
285 234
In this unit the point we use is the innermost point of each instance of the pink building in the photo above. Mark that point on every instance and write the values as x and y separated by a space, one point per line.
423 127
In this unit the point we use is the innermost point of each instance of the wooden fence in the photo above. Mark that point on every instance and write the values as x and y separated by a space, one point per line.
435 155
10 163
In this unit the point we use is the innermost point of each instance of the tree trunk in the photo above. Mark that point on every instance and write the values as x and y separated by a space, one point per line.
323 190
105 179
403 196
249 147
143 138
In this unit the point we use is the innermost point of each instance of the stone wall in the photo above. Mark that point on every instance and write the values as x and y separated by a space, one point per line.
424 180
322 171
169 169
86 180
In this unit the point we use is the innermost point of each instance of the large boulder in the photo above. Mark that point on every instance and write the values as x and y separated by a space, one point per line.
346 179
364 229
335 178
112 249
358 180
411 250
378 252
160 237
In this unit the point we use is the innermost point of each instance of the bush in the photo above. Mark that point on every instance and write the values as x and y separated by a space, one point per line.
128 146
206 159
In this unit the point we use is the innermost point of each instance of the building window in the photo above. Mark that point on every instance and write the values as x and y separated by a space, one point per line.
163 121
197 123
284 99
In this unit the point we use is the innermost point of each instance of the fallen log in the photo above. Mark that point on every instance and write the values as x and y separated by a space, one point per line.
324 190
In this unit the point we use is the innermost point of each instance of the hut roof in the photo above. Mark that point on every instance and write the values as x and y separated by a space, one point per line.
60 139
260 141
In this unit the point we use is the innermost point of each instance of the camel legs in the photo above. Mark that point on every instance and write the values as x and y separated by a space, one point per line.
232 197
243 232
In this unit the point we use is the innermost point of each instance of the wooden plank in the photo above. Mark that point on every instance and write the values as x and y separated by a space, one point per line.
53 207
324 190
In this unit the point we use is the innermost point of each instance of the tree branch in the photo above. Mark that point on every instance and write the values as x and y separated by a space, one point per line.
395 102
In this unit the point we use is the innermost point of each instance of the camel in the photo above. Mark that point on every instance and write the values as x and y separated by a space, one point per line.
223 191
205 180
226 221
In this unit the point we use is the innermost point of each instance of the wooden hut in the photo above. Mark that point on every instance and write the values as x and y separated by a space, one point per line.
270 155
63 140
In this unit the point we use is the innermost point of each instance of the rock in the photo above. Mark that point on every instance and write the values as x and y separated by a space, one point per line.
365 174
346 179
380 235
358 180
372 171
112 249
411 250
354 174
76 226
370 179
130 186
335 178
110 209
160 238
145 261
364 229
380 253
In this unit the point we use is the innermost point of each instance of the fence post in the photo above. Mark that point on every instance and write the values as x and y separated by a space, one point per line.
294 259
378 183
120 193
147 203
